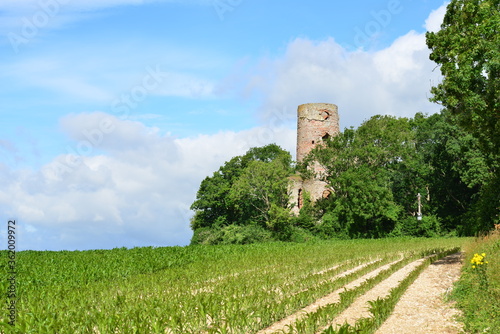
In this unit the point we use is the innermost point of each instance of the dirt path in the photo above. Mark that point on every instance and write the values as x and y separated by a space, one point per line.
360 307
421 310
334 297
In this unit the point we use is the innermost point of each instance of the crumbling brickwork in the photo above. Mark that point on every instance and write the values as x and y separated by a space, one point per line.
316 122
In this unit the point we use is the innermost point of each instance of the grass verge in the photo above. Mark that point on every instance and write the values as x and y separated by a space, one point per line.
477 292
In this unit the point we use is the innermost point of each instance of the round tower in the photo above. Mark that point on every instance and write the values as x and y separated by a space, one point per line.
315 123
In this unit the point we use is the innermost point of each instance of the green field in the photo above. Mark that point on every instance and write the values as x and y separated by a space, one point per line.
195 289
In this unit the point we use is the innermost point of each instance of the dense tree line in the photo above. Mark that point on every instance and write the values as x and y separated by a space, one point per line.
376 171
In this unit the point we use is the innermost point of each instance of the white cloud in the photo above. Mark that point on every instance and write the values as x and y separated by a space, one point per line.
395 80
435 19
52 75
136 191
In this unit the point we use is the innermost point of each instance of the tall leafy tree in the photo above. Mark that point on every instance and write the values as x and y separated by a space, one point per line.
361 166
377 171
456 170
262 185
219 202
467 48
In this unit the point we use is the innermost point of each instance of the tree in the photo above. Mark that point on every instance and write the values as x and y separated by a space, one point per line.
468 50
377 170
262 185
455 170
361 166
212 205
241 191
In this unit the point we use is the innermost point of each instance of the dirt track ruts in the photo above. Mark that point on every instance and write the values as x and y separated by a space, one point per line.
333 297
421 309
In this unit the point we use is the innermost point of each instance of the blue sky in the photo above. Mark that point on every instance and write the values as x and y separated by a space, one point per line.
113 111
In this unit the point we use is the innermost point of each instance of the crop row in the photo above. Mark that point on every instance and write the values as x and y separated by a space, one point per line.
381 308
229 289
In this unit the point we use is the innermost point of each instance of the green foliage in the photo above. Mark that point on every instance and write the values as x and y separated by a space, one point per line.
478 290
231 234
377 171
305 219
242 190
467 50
299 234
331 227
241 235
363 167
206 236
262 185
429 226
279 222
456 170
486 210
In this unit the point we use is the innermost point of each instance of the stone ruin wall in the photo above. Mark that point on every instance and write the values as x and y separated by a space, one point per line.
315 123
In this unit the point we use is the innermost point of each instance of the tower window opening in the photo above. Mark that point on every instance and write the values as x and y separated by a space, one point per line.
325 136
313 142
300 200
324 114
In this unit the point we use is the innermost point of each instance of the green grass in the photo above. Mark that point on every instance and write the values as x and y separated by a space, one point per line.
196 289
478 291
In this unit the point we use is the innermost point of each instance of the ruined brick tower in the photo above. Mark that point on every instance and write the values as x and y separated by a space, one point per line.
316 122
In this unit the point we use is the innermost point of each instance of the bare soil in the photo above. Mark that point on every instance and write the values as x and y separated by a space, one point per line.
421 310
333 297
360 307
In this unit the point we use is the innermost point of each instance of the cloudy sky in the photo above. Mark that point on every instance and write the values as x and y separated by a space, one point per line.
113 111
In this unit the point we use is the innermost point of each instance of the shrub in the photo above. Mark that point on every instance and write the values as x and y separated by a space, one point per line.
206 236
231 234
246 234
302 235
